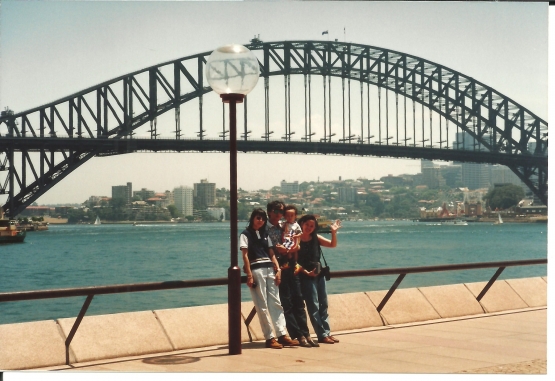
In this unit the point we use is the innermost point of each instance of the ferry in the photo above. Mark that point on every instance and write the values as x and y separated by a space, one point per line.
9 232
324 225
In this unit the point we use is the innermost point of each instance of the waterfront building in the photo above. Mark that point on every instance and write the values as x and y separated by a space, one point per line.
183 199
289 188
124 192
205 193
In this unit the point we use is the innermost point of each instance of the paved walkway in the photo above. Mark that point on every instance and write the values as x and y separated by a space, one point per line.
510 342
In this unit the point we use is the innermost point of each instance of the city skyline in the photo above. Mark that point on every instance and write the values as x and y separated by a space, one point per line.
47 47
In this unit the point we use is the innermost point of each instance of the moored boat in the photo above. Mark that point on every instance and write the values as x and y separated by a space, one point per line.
9 232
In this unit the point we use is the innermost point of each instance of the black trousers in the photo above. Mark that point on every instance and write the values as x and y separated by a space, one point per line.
293 304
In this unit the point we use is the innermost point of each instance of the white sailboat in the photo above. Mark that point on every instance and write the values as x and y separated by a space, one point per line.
500 221
97 221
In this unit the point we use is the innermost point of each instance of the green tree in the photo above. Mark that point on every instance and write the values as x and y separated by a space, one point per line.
173 211
375 202
504 197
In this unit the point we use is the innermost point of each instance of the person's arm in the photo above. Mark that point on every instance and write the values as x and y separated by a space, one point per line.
276 266
248 271
333 242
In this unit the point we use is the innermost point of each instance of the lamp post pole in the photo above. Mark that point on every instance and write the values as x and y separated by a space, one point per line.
234 272
232 71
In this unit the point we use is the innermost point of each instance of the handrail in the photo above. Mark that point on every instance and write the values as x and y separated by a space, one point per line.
157 286
90 292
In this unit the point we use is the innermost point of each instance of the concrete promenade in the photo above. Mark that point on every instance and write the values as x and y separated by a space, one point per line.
503 342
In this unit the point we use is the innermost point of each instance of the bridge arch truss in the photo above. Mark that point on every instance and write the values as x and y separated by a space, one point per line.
39 147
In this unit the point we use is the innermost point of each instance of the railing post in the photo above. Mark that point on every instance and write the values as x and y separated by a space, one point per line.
391 291
248 321
76 324
490 283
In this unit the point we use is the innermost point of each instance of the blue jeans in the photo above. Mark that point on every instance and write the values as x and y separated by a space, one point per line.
316 298
265 297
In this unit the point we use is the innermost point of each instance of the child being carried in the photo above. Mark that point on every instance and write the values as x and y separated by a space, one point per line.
291 237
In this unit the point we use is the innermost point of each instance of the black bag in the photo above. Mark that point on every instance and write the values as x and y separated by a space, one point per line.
325 270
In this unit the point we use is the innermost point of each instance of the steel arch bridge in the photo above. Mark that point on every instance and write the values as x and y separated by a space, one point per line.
41 146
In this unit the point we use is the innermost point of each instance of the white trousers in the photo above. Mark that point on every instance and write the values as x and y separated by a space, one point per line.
266 300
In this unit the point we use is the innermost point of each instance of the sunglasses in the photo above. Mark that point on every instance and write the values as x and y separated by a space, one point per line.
278 211
260 218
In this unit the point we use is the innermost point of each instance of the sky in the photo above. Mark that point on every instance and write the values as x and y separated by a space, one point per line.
51 49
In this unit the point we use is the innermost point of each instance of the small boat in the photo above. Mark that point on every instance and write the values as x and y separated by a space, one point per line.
500 221
97 221
9 232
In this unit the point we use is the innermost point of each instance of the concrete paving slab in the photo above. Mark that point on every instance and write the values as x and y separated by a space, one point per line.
452 300
532 290
404 306
479 355
31 345
397 349
352 311
116 335
500 297
193 327
452 364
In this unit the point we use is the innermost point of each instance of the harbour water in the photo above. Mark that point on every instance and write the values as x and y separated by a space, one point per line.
86 255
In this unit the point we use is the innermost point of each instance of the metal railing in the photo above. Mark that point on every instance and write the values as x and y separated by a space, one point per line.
90 292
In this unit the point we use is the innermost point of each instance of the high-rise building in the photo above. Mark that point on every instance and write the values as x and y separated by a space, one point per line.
205 193
501 174
183 199
144 194
452 175
347 194
122 192
474 175
431 177
289 188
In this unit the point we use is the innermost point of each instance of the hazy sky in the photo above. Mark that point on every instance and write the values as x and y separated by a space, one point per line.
49 50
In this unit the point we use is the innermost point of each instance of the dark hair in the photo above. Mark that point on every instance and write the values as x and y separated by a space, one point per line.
291 207
309 217
274 205
254 214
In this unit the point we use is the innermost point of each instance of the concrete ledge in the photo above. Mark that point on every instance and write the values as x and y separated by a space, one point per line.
31 345
193 327
352 311
452 300
405 305
500 297
532 290
116 335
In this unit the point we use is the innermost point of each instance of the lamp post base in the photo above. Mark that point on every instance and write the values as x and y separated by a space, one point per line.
234 310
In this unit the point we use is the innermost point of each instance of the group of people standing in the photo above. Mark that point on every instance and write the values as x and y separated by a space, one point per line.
282 263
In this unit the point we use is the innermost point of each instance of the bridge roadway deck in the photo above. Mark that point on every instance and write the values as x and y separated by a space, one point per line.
507 342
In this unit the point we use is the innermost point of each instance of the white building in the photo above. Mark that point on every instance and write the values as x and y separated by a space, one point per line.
183 198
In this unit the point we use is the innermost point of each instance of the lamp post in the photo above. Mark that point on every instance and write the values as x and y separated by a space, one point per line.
232 71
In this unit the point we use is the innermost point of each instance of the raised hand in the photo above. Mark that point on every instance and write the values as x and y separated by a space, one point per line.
336 225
